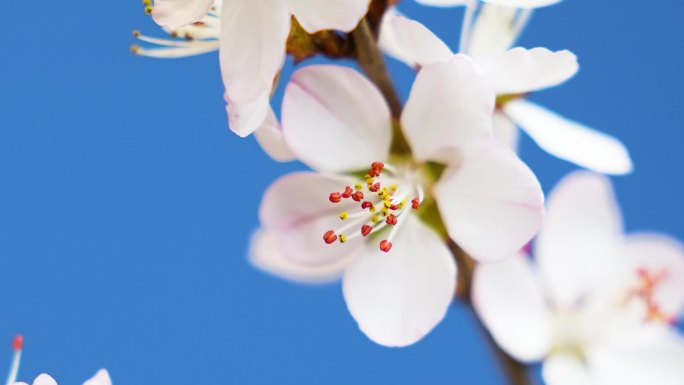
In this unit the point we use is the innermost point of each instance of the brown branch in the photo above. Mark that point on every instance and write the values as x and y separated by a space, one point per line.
514 371
373 64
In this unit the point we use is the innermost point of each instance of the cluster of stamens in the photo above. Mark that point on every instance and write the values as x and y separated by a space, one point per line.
645 290
375 213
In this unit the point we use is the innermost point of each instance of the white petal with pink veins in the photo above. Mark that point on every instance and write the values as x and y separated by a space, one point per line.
295 209
400 296
450 106
579 243
512 306
100 378
316 15
491 203
253 36
271 139
246 117
265 254
411 42
521 70
570 140
174 14
334 119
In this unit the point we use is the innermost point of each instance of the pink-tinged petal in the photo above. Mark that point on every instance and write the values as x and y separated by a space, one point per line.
100 378
647 355
450 106
246 117
411 42
316 15
400 296
508 299
662 258
566 369
490 28
570 140
505 130
265 254
491 204
523 3
334 119
521 70
297 211
253 36
271 139
44 379
174 14
579 244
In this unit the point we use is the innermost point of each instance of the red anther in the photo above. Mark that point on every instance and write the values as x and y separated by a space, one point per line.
375 187
415 203
393 207
18 342
329 237
366 205
366 229
391 219
335 197
642 272
347 192
357 196
385 245
377 166
374 172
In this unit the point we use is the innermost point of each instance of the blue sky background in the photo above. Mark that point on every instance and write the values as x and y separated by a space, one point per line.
126 204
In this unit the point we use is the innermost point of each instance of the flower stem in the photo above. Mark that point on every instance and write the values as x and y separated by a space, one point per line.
514 370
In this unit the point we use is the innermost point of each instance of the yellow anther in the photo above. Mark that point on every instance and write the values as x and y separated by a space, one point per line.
372 209
384 212
369 179
148 10
343 215
358 186
387 203
393 187
375 218
147 2
343 238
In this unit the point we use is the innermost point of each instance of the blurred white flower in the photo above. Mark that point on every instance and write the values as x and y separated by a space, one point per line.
516 73
337 122
101 378
598 304
251 39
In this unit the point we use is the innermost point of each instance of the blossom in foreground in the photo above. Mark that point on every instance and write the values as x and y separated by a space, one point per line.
516 73
371 213
598 304
252 38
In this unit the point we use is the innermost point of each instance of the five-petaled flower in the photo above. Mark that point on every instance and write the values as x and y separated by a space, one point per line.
598 304
380 217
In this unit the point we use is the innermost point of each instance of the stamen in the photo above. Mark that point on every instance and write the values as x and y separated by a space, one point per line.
17 345
385 245
645 291
329 237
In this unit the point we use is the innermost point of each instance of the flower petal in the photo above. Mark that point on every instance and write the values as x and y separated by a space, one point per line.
253 36
411 42
491 204
450 106
334 119
174 14
565 369
296 210
44 379
648 355
570 140
523 3
399 297
508 299
581 236
505 130
271 140
246 117
521 70
658 254
492 28
266 255
100 378
316 15
444 3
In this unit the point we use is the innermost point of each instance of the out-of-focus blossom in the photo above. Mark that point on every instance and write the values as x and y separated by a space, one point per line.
251 39
503 3
372 215
101 378
514 74
598 304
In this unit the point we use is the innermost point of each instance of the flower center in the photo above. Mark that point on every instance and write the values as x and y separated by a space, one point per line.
383 199
644 290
